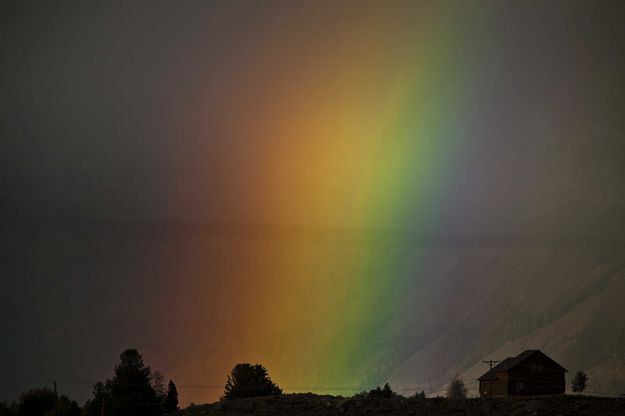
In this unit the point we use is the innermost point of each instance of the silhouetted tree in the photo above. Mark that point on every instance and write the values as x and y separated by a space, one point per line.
158 384
456 389
387 391
36 402
67 407
247 380
420 395
131 392
101 399
171 399
8 409
40 402
578 384
381 392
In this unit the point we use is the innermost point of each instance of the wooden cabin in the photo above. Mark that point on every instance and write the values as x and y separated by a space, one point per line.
530 373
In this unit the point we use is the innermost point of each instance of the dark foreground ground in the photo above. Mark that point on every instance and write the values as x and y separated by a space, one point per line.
314 405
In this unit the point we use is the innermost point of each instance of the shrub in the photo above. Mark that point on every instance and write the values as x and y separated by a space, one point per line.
457 390
578 384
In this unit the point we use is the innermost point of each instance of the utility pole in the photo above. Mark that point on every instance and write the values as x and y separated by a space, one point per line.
490 385
54 397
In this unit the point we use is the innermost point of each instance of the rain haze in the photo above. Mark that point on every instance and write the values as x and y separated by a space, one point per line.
347 192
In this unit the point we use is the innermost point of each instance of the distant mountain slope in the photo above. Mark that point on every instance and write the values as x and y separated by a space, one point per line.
495 302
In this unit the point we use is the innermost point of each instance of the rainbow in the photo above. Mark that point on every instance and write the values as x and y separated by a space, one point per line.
341 144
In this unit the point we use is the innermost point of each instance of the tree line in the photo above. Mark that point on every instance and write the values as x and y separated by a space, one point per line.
136 390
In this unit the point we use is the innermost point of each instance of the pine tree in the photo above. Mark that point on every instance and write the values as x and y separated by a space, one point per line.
247 380
171 400
131 390
101 399
387 392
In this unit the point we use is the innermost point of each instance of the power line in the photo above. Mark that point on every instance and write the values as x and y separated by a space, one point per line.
189 386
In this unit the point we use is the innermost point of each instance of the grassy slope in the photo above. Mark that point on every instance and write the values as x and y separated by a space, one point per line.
314 405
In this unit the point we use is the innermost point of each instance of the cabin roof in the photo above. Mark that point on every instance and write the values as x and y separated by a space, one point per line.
511 362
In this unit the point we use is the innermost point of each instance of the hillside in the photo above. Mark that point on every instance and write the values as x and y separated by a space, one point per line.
559 298
313 405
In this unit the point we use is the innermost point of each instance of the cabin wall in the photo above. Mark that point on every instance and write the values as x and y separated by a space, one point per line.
500 386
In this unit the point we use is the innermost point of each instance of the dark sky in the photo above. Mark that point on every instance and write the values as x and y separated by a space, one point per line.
92 96
153 113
